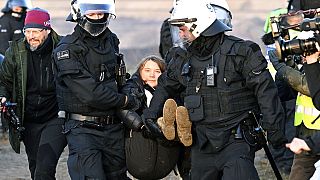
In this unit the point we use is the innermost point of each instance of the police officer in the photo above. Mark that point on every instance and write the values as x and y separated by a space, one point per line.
169 40
12 21
87 91
223 78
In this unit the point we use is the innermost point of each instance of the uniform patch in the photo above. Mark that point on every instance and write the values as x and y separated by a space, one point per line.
63 54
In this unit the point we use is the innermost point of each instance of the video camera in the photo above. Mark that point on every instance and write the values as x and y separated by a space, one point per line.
296 48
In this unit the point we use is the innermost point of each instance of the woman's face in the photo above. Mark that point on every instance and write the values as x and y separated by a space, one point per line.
150 73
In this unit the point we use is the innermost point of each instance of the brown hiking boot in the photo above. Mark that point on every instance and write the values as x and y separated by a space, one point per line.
169 116
160 123
184 126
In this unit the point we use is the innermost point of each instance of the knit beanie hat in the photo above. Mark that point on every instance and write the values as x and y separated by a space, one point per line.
37 18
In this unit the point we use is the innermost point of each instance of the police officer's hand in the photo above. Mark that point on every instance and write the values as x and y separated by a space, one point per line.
130 119
132 103
276 138
275 60
151 129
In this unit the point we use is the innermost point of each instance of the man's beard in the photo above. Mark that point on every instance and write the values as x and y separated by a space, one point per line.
33 48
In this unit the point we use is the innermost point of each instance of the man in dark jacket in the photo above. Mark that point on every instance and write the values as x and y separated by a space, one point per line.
26 77
86 64
223 78
12 21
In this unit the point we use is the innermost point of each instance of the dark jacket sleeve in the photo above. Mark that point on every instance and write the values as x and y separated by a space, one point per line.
260 81
6 74
314 142
313 77
5 34
72 72
295 79
134 87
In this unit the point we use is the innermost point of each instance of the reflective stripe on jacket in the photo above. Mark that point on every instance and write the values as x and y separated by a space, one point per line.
306 113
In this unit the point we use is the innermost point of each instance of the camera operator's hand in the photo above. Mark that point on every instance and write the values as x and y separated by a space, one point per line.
298 145
275 60
152 129
313 58
276 138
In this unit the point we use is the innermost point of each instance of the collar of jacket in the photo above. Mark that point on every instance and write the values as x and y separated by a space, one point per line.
84 35
204 46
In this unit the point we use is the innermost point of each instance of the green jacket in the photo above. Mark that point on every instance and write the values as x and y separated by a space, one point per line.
13 73
295 78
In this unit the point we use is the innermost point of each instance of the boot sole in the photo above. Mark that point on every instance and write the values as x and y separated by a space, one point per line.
169 116
184 126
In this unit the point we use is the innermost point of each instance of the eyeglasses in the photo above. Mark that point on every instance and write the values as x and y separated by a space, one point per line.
28 32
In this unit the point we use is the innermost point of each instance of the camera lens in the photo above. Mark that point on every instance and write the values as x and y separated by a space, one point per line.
299 46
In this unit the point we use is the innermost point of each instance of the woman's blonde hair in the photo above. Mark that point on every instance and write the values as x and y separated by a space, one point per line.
160 62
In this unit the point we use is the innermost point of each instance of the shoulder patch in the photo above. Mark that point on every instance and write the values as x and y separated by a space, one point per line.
63 55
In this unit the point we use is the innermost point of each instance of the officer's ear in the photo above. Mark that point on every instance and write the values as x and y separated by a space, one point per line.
48 31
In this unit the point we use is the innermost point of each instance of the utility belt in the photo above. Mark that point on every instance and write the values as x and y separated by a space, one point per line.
94 122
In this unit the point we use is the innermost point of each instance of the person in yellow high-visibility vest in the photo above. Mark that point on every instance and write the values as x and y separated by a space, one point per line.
282 156
305 115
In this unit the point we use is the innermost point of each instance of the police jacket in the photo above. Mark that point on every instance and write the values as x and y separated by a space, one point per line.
10 28
14 73
85 73
242 83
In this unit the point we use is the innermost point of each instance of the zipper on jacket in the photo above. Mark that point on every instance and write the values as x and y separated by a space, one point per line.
41 74
47 72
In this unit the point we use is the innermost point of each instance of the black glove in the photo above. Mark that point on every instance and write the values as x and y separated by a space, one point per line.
130 119
276 138
275 60
132 103
151 129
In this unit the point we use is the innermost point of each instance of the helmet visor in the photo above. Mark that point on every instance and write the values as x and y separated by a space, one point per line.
88 8
181 22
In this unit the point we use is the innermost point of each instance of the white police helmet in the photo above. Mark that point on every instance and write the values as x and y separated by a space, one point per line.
222 11
199 16
81 8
